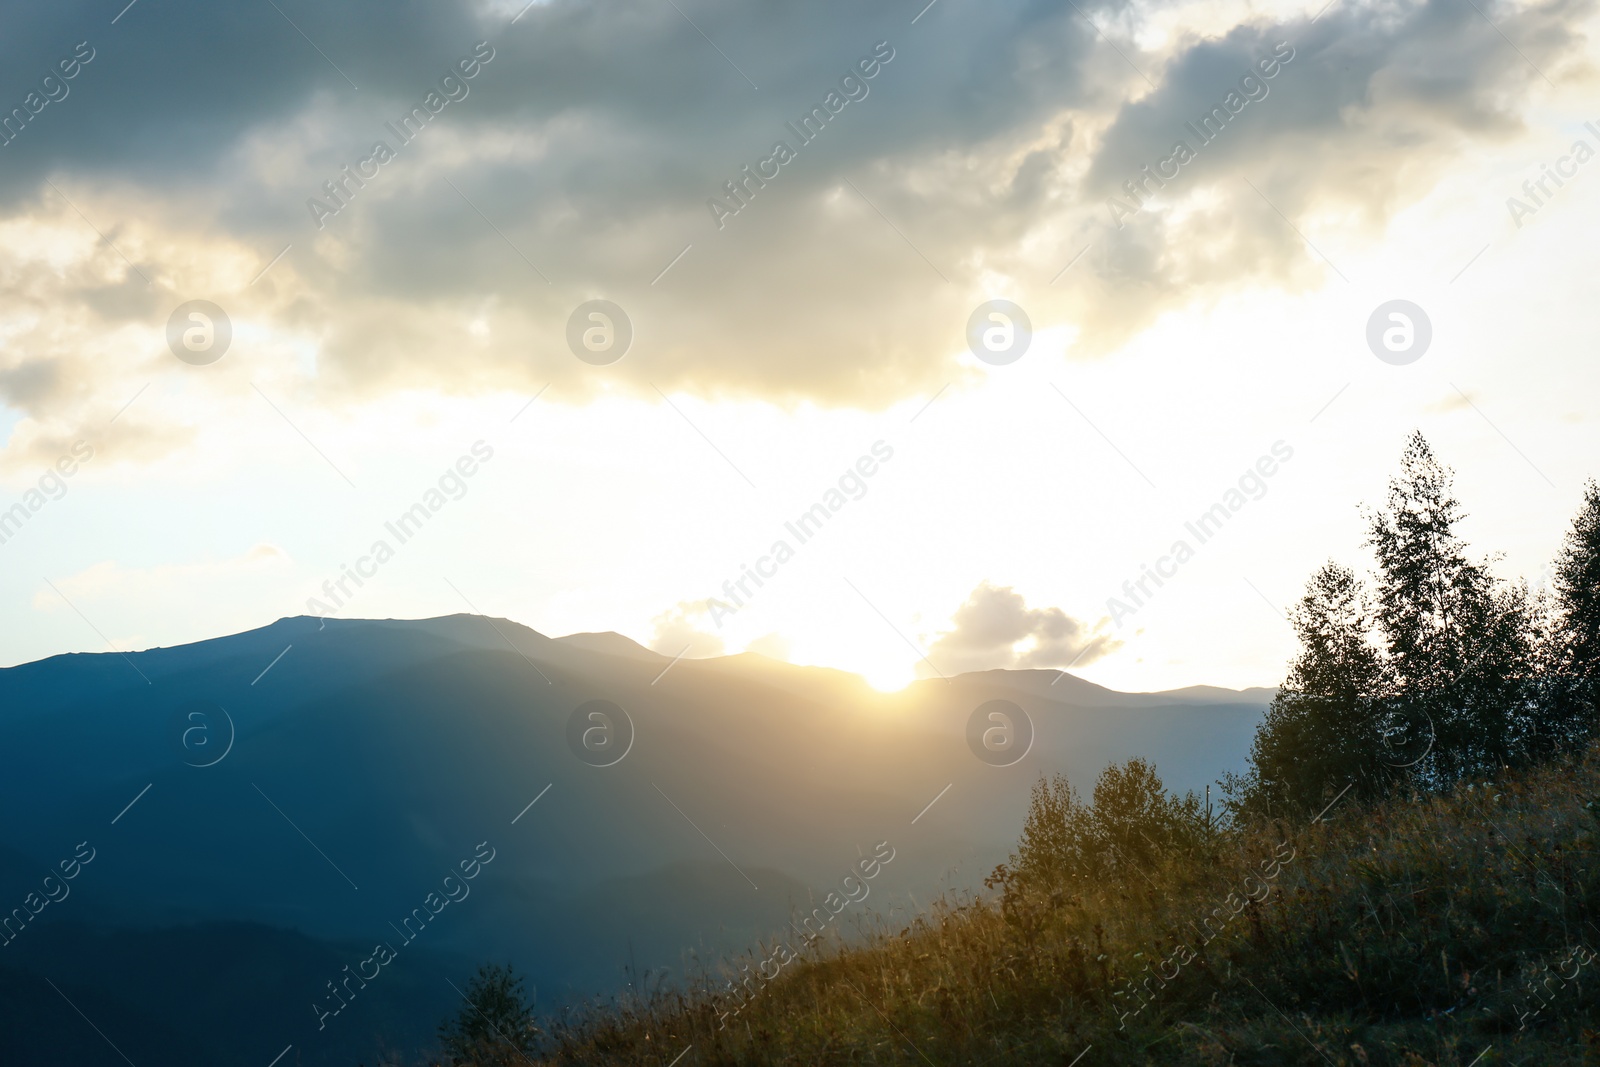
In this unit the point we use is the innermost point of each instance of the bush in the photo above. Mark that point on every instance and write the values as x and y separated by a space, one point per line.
495 1027
1129 827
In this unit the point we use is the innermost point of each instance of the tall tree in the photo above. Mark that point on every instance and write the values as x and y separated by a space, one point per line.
1432 677
1577 584
1460 652
1572 656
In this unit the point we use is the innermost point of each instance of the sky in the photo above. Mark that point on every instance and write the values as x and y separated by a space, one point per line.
607 296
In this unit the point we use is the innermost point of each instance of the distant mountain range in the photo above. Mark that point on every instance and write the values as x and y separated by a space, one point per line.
266 808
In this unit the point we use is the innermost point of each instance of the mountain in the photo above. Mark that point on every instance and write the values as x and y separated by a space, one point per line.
308 790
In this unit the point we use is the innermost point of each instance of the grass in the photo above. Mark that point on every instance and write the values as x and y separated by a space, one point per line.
1415 933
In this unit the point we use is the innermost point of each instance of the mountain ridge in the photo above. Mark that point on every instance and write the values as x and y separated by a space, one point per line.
320 777
1040 681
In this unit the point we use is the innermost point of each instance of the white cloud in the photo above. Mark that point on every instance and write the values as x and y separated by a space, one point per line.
677 632
995 628
163 583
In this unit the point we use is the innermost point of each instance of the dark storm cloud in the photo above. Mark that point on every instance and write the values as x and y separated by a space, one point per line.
174 84
591 143
1425 71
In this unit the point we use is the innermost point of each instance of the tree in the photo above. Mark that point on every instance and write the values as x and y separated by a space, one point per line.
1136 822
495 1027
1324 730
1577 584
1571 658
1057 842
1459 650
1130 824
1434 676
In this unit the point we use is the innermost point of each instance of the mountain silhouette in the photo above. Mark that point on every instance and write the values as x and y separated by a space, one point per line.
265 808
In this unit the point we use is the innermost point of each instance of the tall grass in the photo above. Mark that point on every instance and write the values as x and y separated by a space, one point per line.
1413 933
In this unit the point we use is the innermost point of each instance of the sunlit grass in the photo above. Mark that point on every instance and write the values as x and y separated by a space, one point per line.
1412 934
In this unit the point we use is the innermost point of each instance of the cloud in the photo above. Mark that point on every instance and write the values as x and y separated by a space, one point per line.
83 332
773 646
995 628
582 159
109 580
678 633
1452 401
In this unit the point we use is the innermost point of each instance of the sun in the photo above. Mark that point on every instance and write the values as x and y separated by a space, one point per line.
889 677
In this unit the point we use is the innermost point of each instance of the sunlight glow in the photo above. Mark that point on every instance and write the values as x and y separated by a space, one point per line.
889 677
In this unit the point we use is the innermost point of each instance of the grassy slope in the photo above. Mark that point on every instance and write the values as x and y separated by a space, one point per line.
1412 934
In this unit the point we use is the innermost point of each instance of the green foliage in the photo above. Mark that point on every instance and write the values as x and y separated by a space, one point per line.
495 1027
1571 643
1458 643
1324 728
1057 844
1440 673
1129 826
1577 583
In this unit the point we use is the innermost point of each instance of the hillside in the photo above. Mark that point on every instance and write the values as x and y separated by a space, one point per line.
1447 931
337 774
